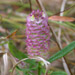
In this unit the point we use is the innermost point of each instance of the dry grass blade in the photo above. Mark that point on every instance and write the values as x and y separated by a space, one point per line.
9 36
5 60
1 53
14 62
17 64
13 34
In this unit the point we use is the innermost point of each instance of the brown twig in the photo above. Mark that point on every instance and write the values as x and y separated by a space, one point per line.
39 4
30 5
58 43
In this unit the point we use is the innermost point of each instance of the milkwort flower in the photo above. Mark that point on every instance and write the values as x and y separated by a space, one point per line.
37 33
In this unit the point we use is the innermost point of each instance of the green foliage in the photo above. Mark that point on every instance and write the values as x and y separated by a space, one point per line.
15 52
62 52
20 55
32 63
29 70
58 73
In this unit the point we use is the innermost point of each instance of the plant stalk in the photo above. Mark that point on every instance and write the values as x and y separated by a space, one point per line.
39 68
30 5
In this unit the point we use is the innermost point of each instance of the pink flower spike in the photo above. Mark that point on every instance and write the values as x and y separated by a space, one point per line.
37 32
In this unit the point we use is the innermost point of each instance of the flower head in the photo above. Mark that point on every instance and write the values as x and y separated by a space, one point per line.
37 32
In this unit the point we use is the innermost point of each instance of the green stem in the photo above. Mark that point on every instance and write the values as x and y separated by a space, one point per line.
39 68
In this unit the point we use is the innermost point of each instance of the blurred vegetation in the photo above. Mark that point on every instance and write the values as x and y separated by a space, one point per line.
13 16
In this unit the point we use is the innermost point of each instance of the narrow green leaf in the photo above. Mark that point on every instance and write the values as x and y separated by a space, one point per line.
66 24
59 73
62 52
15 52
